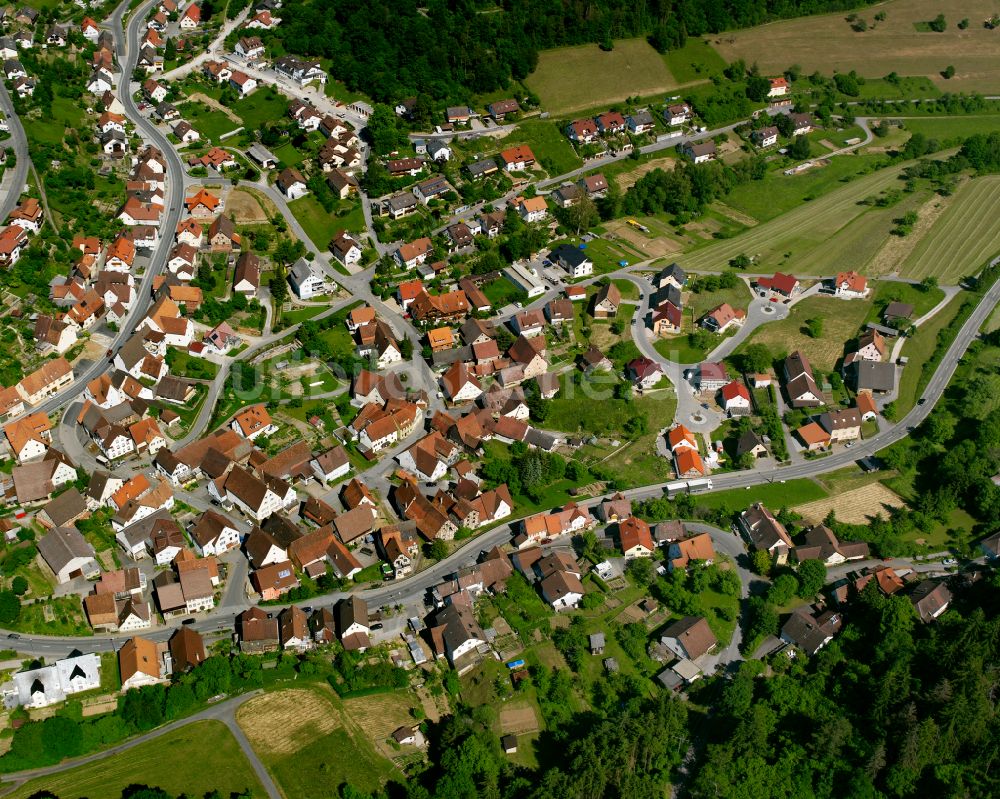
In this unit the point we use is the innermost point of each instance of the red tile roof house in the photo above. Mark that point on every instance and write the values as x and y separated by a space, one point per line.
850 285
735 399
582 131
643 372
723 317
712 376
274 581
781 285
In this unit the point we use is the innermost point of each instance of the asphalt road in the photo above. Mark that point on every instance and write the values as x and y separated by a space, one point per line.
18 140
223 711
127 46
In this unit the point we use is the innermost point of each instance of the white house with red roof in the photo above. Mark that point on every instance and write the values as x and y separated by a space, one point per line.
779 87
781 285
735 398
850 285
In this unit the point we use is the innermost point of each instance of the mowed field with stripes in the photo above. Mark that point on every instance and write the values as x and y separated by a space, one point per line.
965 237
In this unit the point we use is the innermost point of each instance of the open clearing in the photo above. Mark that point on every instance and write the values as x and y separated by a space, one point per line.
575 78
245 208
890 46
283 721
518 720
853 507
627 180
965 236
192 760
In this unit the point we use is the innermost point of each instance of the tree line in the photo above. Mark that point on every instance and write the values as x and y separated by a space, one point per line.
391 49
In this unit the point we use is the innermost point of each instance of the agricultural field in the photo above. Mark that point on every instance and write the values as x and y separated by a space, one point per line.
211 760
893 45
798 240
841 322
310 744
856 506
571 79
965 236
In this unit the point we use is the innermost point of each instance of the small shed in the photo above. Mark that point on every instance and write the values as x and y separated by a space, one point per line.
509 744
597 643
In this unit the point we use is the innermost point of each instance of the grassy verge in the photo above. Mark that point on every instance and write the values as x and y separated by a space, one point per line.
934 336
210 756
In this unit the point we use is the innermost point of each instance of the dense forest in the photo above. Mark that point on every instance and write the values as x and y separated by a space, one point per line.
451 49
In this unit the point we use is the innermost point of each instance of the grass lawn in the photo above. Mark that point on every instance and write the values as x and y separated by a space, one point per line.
697 304
320 226
185 365
628 289
549 144
582 408
571 79
887 291
679 349
210 756
288 155
696 60
945 127
501 292
918 349
827 43
209 123
841 322
264 105
775 495
963 238
302 313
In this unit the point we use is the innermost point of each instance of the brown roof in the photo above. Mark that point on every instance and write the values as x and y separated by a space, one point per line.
311 547
138 655
187 649
354 523
694 635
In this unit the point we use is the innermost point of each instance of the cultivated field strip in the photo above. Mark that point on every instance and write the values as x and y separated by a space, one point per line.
800 231
964 238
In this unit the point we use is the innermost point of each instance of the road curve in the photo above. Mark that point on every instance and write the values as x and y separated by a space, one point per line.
223 711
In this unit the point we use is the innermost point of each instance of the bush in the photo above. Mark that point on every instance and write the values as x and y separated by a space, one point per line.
19 585
10 607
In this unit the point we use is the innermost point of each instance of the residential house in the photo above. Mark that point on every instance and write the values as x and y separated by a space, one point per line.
800 385
811 631
778 287
607 301
735 399
700 152
763 532
850 285
139 664
689 638
67 554
723 317
682 552
643 373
